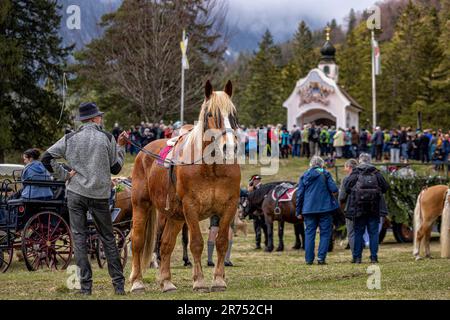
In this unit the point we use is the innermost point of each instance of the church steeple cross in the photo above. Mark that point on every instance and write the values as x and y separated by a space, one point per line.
328 30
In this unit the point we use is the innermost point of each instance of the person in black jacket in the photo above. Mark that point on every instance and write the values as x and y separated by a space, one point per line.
424 143
365 187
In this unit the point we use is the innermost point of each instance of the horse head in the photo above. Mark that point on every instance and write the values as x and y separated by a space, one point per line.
218 121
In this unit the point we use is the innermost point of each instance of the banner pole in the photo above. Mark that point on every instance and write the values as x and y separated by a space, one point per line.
374 89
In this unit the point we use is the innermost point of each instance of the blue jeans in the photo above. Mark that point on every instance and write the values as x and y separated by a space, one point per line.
404 148
325 222
372 223
296 150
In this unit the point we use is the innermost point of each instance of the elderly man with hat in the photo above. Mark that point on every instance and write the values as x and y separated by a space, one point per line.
92 155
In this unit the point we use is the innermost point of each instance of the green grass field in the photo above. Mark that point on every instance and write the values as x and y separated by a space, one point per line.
260 275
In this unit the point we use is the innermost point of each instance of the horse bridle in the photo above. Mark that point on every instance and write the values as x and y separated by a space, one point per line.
175 162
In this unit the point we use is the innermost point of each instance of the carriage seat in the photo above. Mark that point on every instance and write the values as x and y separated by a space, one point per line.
283 192
22 201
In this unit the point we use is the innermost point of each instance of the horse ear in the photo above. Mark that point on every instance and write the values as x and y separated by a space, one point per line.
229 88
208 90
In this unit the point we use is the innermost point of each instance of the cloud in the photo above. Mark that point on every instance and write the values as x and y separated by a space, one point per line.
282 16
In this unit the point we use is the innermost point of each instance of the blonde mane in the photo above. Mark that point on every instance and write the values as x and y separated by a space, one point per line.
219 104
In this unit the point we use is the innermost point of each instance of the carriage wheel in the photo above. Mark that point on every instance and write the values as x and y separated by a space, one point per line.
402 232
46 241
6 253
121 246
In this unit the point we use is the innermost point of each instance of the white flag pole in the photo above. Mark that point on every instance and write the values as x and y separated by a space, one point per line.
182 83
374 89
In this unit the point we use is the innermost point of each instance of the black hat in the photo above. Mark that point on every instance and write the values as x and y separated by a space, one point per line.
88 110
255 177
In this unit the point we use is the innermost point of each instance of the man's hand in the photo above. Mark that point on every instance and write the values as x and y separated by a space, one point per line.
72 173
121 141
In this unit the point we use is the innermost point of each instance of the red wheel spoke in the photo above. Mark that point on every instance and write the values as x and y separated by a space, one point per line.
55 228
48 227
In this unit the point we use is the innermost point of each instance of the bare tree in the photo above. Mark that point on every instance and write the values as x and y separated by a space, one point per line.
140 58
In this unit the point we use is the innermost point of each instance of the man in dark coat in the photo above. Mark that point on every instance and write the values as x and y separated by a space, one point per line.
365 205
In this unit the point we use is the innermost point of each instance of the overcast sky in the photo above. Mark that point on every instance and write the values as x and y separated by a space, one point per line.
282 16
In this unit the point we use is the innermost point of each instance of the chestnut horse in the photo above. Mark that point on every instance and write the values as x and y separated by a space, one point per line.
198 186
123 202
431 203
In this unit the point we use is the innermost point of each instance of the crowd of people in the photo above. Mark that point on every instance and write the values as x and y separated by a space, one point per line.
395 145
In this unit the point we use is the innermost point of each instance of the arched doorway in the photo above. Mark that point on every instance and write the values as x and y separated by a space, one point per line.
318 116
325 122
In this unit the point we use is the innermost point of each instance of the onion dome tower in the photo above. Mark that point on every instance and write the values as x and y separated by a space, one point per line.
328 62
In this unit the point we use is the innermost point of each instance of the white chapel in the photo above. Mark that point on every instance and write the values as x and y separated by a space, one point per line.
318 97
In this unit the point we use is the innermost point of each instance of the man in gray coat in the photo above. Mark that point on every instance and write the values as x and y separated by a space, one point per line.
343 201
92 155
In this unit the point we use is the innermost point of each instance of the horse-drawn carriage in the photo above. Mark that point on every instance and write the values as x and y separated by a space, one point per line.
40 229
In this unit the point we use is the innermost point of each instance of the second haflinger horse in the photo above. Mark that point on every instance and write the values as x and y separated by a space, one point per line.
431 203
197 185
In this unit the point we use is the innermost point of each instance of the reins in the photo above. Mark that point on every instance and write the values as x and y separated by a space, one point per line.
170 162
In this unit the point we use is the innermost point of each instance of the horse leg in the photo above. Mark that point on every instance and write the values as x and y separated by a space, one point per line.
427 241
297 231
196 246
185 238
157 254
269 227
280 235
222 247
169 238
331 244
419 239
141 211
264 229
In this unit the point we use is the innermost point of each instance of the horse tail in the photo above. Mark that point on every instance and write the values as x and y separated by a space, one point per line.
149 239
417 220
445 227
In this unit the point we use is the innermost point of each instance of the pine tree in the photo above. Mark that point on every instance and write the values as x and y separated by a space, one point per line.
304 58
440 84
352 21
262 100
354 60
411 57
31 53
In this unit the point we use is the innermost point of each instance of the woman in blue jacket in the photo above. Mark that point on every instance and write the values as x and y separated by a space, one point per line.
35 170
316 203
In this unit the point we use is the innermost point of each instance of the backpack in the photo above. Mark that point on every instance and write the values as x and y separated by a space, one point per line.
323 137
314 135
366 194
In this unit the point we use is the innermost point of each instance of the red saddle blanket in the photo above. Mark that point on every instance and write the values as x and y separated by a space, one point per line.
163 155
285 197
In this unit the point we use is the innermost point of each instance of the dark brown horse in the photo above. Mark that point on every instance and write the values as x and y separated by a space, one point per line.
282 211
254 207
198 186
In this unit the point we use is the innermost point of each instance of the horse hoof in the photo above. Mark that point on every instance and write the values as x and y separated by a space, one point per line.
296 247
200 286
279 249
187 264
168 286
137 287
418 258
268 249
218 285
